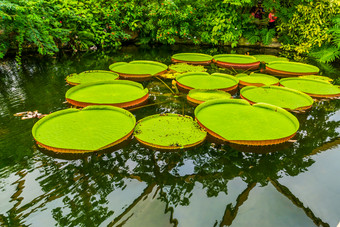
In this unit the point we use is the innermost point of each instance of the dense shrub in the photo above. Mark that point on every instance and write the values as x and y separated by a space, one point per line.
49 25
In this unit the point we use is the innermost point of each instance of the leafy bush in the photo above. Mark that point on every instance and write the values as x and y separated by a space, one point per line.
48 25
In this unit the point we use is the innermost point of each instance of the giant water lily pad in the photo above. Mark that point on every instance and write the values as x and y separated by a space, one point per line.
220 81
236 61
198 96
121 93
269 58
91 76
169 131
237 121
279 96
287 69
192 58
138 70
91 129
314 88
257 79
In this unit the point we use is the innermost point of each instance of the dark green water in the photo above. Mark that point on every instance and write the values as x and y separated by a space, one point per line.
134 186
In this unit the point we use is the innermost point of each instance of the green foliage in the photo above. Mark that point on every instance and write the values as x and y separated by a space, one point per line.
50 25
314 29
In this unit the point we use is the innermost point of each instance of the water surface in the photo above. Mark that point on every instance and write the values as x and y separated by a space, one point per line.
212 185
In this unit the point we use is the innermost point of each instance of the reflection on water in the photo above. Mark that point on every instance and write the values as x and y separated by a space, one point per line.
212 185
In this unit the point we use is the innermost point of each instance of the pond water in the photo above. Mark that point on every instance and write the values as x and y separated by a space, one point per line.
212 185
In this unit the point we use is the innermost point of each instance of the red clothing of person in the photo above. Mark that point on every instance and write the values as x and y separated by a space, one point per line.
272 17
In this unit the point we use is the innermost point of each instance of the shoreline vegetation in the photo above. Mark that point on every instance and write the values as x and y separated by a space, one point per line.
303 28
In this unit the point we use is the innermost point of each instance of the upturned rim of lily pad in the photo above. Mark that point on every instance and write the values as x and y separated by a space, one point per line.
91 76
142 69
237 121
120 93
257 79
91 129
204 80
286 98
198 96
169 132
312 87
192 58
289 69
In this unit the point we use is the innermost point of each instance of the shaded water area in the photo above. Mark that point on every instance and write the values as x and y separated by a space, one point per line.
212 185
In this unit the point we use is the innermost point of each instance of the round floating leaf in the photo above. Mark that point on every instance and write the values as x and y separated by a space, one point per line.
279 96
204 80
192 58
269 58
314 88
291 68
169 131
235 58
91 129
238 122
237 61
317 77
138 69
91 76
256 79
183 68
121 93
198 96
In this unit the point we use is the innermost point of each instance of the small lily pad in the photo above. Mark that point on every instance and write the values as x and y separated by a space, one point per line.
202 80
269 58
288 69
120 93
91 76
184 68
198 96
257 79
236 61
169 131
138 70
192 58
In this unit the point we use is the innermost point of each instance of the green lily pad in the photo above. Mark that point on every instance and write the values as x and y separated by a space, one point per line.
183 68
317 77
235 58
169 131
279 96
122 93
91 129
256 79
269 58
237 121
192 57
315 88
91 76
200 95
135 68
202 80
291 68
